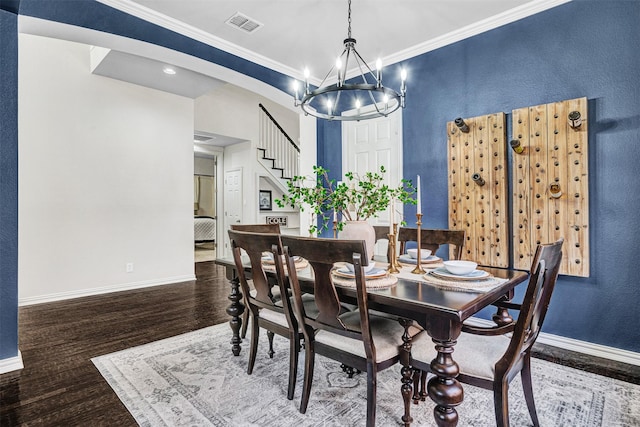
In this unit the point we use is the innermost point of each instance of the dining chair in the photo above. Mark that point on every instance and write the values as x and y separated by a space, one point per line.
255 228
264 302
432 239
358 339
382 233
490 357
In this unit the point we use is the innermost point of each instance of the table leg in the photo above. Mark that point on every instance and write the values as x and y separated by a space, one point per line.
444 389
235 310
502 317
406 371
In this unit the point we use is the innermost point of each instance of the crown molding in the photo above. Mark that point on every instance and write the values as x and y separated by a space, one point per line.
149 15
180 27
474 29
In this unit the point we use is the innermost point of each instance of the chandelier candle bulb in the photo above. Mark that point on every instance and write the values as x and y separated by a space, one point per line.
306 81
338 67
379 72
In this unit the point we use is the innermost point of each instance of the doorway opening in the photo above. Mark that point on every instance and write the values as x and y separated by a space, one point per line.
204 206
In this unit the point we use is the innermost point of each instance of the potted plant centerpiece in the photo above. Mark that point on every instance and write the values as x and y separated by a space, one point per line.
354 201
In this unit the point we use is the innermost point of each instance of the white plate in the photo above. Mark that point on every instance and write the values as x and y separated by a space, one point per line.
373 274
443 273
406 258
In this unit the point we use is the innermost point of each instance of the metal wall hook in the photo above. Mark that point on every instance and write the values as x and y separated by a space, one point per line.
477 179
517 147
555 191
575 119
461 125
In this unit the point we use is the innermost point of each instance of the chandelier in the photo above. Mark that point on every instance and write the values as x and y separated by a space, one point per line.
331 101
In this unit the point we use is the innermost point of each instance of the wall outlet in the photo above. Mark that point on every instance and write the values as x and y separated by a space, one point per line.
129 267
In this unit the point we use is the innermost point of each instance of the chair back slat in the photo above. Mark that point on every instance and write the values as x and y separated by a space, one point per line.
432 239
257 228
542 281
254 244
322 254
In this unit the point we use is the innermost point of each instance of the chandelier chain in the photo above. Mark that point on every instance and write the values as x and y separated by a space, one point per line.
349 21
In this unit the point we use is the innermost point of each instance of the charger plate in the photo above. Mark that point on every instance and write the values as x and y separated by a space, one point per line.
484 285
386 281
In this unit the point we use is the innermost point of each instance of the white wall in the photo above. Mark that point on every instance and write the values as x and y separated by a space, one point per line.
105 178
232 111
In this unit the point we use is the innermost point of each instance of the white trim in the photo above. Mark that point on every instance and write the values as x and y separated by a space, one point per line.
507 17
180 27
103 290
11 363
584 347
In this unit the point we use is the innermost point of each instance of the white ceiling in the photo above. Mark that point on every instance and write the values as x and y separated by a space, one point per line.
309 33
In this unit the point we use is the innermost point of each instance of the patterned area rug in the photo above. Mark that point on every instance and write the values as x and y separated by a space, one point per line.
193 380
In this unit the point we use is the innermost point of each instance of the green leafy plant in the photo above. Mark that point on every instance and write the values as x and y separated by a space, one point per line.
358 198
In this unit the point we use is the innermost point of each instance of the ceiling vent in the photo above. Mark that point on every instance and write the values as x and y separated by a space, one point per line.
203 138
243 22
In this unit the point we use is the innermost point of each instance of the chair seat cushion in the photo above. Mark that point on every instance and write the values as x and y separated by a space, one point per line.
280 319
476 355
386 332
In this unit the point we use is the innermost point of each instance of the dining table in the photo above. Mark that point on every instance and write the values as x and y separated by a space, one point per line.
438 306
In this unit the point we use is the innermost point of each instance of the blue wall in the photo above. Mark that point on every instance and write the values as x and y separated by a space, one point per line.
583 48
8 185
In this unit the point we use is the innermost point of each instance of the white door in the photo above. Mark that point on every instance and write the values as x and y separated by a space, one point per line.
232 203
369 144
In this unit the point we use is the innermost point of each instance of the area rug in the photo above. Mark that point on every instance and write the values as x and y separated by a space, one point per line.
194 380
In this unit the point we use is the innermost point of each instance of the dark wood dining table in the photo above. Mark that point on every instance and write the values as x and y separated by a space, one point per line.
439 311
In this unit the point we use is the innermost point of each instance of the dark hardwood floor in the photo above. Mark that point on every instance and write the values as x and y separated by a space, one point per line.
60 386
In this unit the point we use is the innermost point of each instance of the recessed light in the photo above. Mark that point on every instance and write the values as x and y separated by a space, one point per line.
169 70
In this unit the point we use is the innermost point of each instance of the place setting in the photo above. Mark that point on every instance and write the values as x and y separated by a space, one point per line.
462 275
426 258
269 264
375 277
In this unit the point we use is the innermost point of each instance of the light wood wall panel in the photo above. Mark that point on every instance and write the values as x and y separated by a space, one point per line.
481 210
554 154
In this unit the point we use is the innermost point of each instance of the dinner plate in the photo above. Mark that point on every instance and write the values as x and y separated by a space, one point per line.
267 259
406 258
443 273
375 273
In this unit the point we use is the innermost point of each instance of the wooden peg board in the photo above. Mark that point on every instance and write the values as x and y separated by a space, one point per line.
554 153
480 210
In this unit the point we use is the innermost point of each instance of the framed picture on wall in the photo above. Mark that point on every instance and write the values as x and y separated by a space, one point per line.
264 200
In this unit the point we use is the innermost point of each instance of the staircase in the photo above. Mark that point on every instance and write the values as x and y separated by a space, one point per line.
276 150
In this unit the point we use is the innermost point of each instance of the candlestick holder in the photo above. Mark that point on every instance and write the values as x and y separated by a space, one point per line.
418 269
335 229
393 259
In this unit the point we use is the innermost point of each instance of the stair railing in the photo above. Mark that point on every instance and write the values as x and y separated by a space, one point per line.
277 146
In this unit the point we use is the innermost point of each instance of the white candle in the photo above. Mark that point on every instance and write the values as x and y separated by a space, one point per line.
335 215
391 206
419 199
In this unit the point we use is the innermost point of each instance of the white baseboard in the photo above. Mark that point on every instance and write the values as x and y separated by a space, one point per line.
11 364
103 290
596 350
